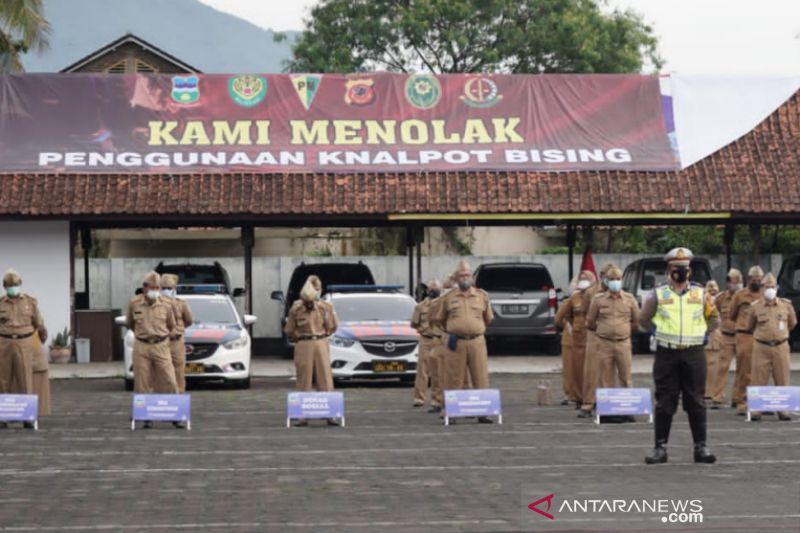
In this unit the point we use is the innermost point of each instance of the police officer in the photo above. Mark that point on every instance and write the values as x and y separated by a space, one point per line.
20 319
613 317
430 340
152 320
464 314
740 314
591 364
310 322
183 319
682 315
771 320
571 315
713 347
727 352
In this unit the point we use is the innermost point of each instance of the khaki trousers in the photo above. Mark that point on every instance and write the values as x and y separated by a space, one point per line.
177 350
614 362
591 367
712 370
744 365
312 364
726 355
152 368
770 360
469 355
16 366
567 367
578 362
436 367
424 370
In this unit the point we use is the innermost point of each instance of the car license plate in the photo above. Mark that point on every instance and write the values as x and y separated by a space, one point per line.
195 368
388 366
514 309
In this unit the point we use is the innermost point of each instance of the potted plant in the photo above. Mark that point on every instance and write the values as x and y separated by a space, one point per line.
60 349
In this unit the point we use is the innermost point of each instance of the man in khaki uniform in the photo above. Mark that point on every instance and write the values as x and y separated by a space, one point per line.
183 319
310 322
430 340
590 363
740 314
464 314
771 319
713 347
727 331
613 316
571 314
20 319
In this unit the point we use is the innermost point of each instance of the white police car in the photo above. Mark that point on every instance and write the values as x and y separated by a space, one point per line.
375 339
218 347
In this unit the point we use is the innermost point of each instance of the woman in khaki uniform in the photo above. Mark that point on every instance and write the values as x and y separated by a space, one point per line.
310 323
571 313
713 348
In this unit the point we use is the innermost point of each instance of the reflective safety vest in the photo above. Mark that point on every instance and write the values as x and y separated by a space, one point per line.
680 318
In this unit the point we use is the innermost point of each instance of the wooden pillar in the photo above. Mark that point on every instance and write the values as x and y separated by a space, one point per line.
248 240
570 251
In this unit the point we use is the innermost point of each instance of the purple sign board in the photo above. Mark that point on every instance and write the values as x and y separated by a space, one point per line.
773 399
314 405
162 407
472 402
623 401
19 407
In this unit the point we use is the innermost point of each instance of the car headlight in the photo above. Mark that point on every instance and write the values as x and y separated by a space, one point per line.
341 342
241 342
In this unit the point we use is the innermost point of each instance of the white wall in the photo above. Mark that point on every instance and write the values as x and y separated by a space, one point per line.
39 251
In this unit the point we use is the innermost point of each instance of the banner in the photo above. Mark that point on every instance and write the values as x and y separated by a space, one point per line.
331 123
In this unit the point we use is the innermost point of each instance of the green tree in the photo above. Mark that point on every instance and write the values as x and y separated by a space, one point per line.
449 36
22 28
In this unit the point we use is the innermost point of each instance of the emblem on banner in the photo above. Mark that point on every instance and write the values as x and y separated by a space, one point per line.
306 85
359 91
423 91
185 89
247 90
481 92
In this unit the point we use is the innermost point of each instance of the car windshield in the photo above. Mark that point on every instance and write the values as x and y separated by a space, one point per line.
513 279
355 309
790 275
195 277
209 310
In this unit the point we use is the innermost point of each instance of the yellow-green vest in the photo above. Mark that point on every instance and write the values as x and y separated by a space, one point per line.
679 319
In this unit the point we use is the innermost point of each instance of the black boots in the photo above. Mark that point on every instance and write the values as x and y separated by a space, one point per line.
657 456
702 454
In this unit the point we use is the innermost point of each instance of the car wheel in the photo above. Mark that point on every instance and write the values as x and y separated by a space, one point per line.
128 384
242 384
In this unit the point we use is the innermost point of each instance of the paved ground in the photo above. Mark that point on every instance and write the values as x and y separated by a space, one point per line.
394 468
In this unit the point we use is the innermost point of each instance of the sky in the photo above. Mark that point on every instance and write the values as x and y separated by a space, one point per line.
696 36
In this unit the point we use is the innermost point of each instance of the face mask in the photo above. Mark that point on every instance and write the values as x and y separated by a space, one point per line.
615 285
152 295
584 284
13 291
309 305
169 293
465 284
754 286
680 275
770 293
433 294
735 287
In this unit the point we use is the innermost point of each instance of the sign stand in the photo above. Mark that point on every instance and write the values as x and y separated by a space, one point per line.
162 408
624 402
772 399
472 403
315 405
20 408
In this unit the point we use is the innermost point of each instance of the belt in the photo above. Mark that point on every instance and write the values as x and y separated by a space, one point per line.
157 340
16 335
175 337
312 337
678 347
729 334
772 343
431 336
744 332
612 339
468 337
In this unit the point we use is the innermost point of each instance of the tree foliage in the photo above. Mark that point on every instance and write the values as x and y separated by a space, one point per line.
22 28
449 36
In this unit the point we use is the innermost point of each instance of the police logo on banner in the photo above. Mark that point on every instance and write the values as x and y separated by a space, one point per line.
481 92
306 86
423 91
247 90
185 89
359 92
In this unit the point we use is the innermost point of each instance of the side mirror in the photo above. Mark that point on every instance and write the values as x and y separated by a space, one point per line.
277 295
121 320
249 320
238 291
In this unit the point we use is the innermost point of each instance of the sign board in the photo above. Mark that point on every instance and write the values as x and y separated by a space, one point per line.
624 402
472 402
162 408
314 405
19 408
772 399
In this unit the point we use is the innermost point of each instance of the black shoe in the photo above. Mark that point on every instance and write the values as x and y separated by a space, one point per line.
578 405
565 401
715 405
418 404
300 422
3 425
755 417
703 455
148 424
657 456
733 405
27 425
784 416
583 413
179 425
435 409
485 420
332 422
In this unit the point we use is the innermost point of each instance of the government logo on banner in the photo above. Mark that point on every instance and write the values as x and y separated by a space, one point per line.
306 86
247 90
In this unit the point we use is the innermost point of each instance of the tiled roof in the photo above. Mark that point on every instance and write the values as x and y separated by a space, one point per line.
757 174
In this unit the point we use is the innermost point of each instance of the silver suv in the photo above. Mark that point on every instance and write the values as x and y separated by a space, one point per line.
524 301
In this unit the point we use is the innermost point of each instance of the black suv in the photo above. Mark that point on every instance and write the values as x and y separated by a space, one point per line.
190 274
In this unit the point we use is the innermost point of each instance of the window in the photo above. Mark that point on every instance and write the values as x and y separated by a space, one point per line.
373 308
212 311
514 279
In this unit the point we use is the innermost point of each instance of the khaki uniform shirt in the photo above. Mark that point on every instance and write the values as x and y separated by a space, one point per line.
20 316
771 320
589 294
723 303
319 321
421 319
150 320
183 315
739 312
464 313
613 317
571 312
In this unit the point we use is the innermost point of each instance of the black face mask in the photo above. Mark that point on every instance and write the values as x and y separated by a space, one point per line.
754 286
680 275
433 294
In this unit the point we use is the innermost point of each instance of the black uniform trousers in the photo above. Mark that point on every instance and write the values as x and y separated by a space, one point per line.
680 373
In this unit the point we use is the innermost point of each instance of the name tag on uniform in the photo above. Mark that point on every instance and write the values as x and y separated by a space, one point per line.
781 325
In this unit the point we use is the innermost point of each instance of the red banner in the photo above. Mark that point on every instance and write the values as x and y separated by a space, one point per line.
332 123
